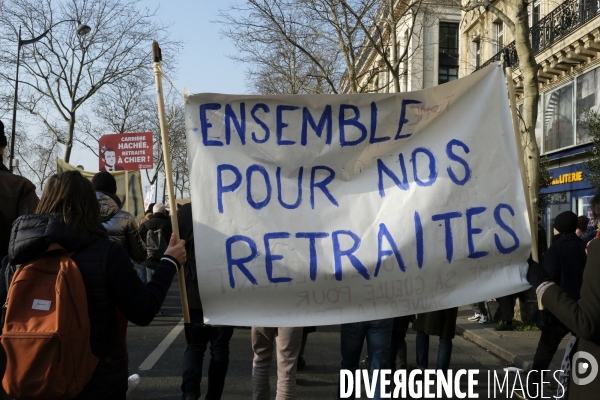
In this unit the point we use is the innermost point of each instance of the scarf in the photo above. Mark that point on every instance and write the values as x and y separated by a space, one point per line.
565 367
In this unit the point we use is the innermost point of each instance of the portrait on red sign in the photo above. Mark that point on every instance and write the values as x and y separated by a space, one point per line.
126 151
108 160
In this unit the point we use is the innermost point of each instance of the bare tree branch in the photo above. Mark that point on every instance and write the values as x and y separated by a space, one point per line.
63 70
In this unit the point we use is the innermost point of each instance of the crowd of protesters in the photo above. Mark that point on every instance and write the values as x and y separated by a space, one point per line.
88 223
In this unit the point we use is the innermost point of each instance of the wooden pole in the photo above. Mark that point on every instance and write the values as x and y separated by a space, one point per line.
156 53
156 190
524 177
127 191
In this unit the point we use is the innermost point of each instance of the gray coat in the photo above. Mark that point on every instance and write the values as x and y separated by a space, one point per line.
582 317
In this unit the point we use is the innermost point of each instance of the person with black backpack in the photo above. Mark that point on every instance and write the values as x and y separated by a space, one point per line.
155 232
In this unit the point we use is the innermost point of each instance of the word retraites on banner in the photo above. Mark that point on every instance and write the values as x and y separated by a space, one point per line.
126 151
328 209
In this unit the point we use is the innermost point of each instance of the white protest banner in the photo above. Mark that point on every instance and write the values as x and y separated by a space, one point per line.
148 194
328 209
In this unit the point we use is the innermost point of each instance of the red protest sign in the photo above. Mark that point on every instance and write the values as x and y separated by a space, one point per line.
126 151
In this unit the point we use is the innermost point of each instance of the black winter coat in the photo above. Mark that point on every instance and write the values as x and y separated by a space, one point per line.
186 232
156 221
17 197
440 323
121 226
564 261
111 283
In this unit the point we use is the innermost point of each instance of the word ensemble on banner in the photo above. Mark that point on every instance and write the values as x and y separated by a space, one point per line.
326 209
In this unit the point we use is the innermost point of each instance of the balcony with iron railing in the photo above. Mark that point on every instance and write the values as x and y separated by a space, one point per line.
561 21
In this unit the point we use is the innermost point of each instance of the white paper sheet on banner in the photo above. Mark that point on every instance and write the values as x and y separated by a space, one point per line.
411 202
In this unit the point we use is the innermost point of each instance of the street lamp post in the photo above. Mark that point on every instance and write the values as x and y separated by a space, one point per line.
82 30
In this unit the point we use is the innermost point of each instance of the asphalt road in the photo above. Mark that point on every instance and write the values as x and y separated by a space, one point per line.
160 371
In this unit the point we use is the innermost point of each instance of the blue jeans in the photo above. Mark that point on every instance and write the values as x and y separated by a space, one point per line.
379 337
444 352
194 355
149 273
143 273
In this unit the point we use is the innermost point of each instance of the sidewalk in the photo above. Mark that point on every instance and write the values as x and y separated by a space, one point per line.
516 347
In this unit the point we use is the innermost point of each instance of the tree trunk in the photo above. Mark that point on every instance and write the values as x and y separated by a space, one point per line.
69 141
394 50
529 69
395 72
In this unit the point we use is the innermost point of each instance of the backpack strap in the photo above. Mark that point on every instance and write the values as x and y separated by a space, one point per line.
9 272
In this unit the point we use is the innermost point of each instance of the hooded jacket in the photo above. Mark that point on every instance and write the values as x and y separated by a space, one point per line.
564 261
121 226
111 283
17 197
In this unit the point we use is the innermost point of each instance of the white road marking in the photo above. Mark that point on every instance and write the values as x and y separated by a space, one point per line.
161 348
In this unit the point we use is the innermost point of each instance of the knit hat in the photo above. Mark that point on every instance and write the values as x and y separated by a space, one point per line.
104 182
3 141
566 222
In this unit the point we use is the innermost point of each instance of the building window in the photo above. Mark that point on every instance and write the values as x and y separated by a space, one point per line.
558 118
476 53
539 127
583 208
448 52
562 117
535 12
588 98
498 42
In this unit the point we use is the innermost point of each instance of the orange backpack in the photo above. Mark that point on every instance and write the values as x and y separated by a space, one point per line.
46 331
